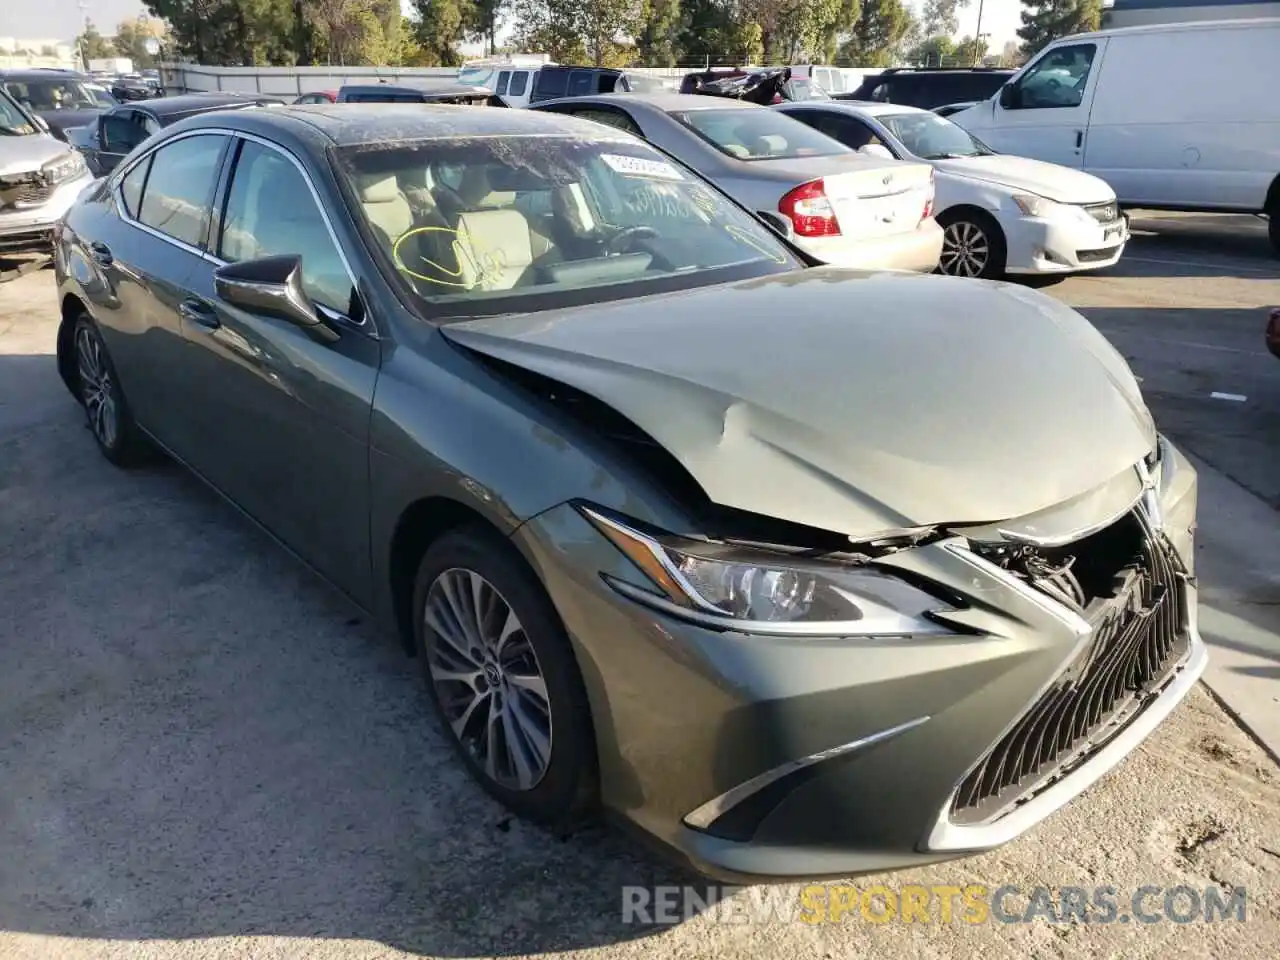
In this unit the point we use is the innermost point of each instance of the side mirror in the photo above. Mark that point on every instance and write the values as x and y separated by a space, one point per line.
875 150
1010 96
272 286
775 222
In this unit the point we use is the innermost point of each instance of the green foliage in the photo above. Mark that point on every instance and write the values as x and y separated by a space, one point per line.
657 41
941 17
131 41
483 17
93 45
1044 21
936 51
971 51
879 34
439 27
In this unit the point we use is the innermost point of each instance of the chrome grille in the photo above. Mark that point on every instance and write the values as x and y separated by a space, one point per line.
1103 212
24 190
1139 636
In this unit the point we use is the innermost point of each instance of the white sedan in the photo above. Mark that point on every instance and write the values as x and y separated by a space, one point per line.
1000 214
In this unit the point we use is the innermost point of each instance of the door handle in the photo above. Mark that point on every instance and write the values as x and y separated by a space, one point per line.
199 313
101 254
1079 139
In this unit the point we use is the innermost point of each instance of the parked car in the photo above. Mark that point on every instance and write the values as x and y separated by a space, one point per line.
319 96
1273 331
113 134
555 81
752 84
61 100
676 525
839 207
1000 214
135 88
39 178
929 88
1121 105
443 92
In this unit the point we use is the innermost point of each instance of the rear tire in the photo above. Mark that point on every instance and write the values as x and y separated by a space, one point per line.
1273 228
503 677
98 389
973 245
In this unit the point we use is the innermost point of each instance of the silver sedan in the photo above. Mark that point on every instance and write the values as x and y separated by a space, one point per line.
840 207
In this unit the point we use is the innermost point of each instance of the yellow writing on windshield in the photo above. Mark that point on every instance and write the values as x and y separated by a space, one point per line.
485 266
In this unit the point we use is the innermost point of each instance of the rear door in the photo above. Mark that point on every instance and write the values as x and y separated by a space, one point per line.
1046 110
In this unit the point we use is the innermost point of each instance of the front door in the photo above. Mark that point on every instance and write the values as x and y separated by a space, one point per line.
1044 113
285 415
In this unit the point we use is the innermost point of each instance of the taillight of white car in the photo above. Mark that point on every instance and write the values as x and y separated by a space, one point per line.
810 210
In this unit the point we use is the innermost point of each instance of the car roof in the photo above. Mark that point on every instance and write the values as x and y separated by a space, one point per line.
351 124
164 107
664 102
868 108
36 73
425 85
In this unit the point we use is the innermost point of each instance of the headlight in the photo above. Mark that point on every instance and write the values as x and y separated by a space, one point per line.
760 591
1033 206
64 168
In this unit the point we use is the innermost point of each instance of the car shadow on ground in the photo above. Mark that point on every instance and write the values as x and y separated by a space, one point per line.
1214 246
199 739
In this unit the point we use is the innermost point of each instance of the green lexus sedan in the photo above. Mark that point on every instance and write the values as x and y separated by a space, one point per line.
799 571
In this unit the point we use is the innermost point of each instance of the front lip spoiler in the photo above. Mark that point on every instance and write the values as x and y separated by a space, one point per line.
948 837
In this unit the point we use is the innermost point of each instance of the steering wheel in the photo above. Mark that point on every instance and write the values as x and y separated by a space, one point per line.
621 241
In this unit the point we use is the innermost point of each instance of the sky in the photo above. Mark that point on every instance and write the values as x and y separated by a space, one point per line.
61 19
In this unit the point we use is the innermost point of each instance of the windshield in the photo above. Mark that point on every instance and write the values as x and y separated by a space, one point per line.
476 76
759 134
806 90
12 121
55 93
931 137
522 223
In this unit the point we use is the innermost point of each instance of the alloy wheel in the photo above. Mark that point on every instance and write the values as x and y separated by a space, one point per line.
488 679
96 388
966 250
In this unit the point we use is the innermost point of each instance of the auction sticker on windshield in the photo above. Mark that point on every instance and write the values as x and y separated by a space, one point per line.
641 167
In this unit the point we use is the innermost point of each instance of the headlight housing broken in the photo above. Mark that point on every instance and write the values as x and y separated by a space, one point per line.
759 591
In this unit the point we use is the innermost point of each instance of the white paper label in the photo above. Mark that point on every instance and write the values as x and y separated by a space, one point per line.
641 167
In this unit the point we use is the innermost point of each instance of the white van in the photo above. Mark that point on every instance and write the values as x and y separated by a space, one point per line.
1129 106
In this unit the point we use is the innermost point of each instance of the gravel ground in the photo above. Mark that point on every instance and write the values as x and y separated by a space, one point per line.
204 753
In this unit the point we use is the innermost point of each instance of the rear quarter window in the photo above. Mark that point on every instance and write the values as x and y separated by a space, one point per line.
551 83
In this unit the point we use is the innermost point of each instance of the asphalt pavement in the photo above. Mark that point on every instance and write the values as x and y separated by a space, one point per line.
204 753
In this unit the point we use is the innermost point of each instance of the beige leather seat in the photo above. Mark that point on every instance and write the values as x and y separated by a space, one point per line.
385 205
495 249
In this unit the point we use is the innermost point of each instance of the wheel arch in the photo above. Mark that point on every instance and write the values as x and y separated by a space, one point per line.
71 307
1271 205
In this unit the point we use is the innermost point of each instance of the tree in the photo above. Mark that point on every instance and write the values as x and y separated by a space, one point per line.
230 32
93 45
878 34
1044 21
483 19
357 32
131 41
937 51
657 41
579 30
971 51
439 27
941 17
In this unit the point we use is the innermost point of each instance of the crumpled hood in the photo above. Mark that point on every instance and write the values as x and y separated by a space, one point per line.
27 154
1059 183
852 402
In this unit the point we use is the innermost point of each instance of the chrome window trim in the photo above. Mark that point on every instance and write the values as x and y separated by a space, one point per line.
364 325
704 816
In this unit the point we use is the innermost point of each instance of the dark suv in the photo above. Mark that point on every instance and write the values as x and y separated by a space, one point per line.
554 83
446 92
928 89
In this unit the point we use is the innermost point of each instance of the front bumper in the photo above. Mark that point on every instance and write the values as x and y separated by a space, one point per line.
1036 246
31 229
764 758
916 250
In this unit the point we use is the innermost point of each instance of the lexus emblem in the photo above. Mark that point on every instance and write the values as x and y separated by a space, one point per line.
887 180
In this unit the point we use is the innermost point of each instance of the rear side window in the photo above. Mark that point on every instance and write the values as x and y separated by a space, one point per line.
179 188
756 133
580 83
519 83
552 83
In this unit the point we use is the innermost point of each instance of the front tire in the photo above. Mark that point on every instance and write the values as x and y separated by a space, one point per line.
99 391
973 245
503 677
1273 228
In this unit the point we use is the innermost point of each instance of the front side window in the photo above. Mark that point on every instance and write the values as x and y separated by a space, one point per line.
180 186
504 78
519 83
1058 79
533 222
13 123
272 212
932 137
758 134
